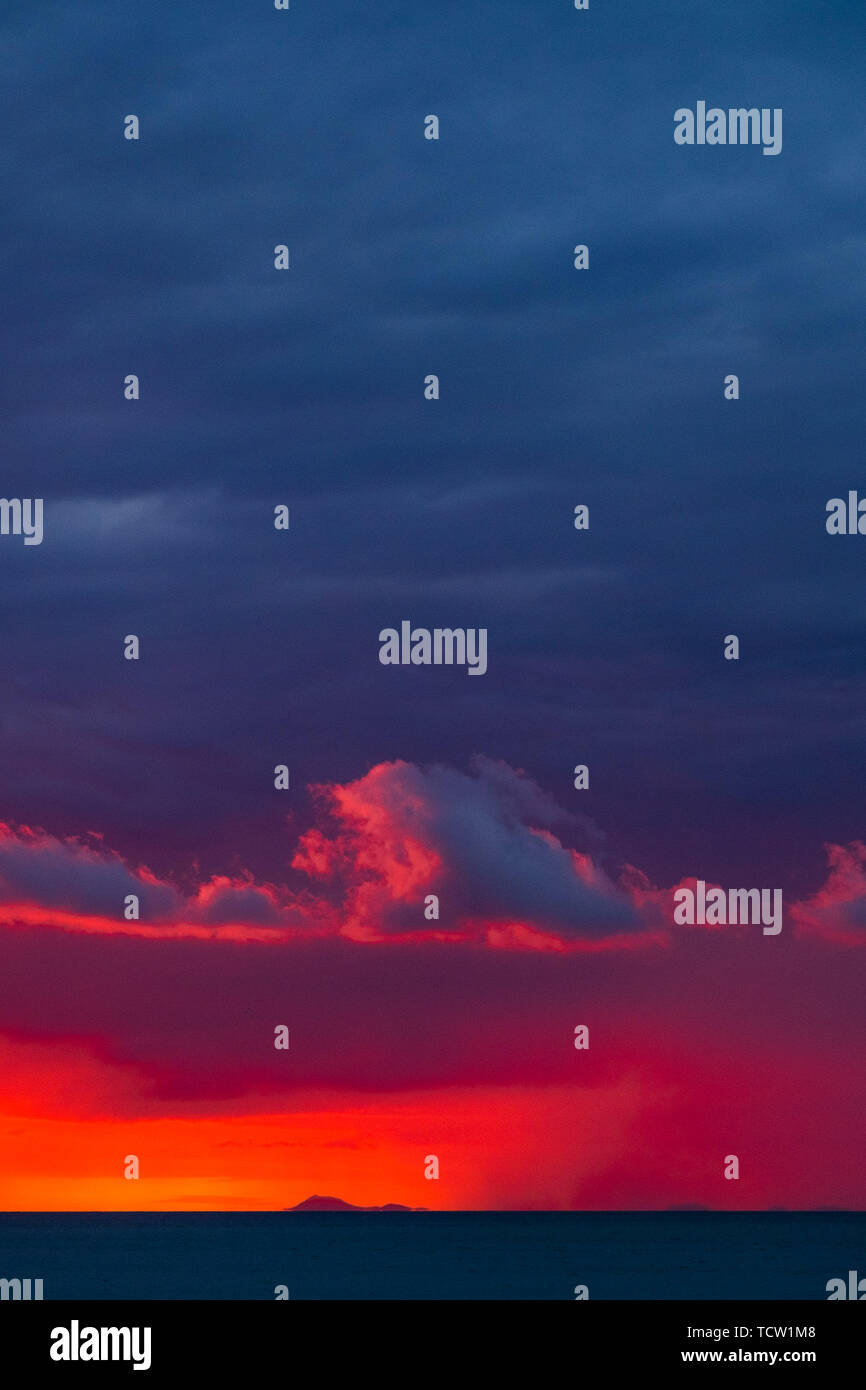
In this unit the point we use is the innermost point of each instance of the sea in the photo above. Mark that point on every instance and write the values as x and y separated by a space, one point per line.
433 1255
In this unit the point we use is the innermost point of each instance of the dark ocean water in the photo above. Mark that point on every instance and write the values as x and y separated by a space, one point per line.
464 1255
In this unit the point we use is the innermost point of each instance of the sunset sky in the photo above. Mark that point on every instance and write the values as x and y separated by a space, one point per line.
410 1038
305 907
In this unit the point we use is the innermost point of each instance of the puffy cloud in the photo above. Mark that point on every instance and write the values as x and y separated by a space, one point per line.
74 876
837 911
82 883
490 844
483 843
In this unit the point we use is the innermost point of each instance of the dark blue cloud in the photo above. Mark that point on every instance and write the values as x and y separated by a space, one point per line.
411 257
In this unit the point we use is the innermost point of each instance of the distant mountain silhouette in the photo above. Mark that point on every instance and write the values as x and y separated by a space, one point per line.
317 1203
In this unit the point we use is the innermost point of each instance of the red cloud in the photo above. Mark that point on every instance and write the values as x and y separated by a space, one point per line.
490 846
837 911
482 844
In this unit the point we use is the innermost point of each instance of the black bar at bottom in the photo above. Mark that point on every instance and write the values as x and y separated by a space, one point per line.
166 1342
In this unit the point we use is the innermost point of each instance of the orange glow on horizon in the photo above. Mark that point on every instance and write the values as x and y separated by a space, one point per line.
487 1141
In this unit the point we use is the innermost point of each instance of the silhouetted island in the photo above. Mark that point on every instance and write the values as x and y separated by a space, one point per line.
317 1203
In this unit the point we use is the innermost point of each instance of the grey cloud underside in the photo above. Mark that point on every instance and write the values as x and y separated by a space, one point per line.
67 877
495 865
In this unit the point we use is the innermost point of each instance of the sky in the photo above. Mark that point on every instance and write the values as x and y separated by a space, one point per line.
305 908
